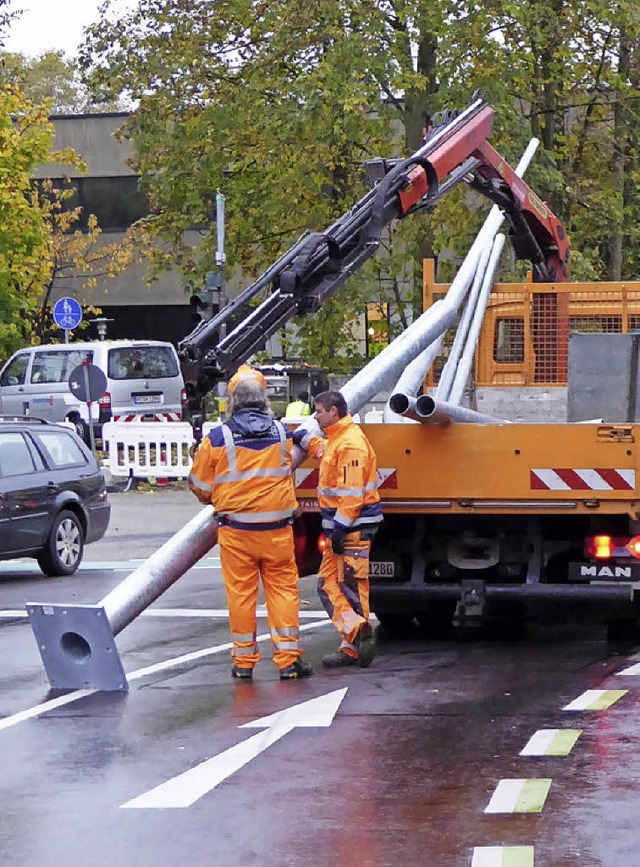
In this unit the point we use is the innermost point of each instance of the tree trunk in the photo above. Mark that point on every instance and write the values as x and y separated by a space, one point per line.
418 116
620 149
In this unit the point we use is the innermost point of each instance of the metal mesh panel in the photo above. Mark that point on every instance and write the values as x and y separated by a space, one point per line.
524 339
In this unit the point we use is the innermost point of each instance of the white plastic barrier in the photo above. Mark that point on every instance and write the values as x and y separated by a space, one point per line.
148 449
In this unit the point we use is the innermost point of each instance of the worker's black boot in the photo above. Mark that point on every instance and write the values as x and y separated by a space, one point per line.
338 659
365 646
296 671
238 673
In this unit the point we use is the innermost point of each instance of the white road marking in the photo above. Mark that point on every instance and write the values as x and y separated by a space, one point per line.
188 787
632 670
22 566
52 704
503 856
519 796
551 742
38 709
596 699
306 614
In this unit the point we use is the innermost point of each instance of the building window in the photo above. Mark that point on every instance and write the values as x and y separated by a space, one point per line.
117 202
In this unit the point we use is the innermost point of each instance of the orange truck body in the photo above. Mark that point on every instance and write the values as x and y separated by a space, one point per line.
482 518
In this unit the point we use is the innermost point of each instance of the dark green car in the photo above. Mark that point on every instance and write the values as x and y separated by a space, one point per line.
53 497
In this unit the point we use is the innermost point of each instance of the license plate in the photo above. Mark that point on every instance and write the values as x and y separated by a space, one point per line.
381 569
604 571
147 398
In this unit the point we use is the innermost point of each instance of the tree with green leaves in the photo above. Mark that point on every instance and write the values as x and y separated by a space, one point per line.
39 244
49 76
279 104
25 244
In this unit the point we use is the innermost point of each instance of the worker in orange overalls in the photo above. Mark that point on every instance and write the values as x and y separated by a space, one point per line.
351 513
243 467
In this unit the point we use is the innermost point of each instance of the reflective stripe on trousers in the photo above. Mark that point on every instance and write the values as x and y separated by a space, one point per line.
343 587
246 556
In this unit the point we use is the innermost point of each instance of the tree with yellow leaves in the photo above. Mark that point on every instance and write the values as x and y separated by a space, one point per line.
38 245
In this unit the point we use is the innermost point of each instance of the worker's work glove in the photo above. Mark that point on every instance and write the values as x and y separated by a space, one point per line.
337 541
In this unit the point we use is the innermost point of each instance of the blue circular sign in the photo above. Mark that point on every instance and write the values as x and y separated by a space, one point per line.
67 313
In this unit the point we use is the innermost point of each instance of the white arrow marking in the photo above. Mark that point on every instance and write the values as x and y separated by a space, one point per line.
185 789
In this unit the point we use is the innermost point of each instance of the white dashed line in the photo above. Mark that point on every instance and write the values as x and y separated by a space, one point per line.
503 856
596 699
519 796
551 742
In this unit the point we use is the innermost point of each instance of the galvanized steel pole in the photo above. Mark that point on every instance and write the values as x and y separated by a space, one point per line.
76 642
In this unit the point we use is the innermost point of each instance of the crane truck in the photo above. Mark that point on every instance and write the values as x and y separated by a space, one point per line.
477 516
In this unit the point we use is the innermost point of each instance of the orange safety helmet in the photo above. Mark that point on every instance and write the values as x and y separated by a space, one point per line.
245 372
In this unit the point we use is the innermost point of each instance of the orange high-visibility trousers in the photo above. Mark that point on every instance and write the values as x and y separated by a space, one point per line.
245 556
343 588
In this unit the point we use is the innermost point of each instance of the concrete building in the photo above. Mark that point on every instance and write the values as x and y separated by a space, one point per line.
109 189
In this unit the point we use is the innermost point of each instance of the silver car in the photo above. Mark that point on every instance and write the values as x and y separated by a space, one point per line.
144 382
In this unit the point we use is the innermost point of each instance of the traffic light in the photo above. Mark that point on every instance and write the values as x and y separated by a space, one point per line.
202 305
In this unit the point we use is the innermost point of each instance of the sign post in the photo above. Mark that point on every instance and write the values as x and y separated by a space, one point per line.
87 382
67 314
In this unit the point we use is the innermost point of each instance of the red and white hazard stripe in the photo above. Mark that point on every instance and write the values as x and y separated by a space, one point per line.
308 480
157 416
568 479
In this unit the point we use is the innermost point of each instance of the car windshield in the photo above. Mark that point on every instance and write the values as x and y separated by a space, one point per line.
142 362
57 365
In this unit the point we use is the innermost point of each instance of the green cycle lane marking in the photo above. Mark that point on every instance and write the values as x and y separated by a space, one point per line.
519 796
551 742
596 699
503 856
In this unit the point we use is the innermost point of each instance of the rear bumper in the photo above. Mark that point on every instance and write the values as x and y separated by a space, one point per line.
98 521
607 601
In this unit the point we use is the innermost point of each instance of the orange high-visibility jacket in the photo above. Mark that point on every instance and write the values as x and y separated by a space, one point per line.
243 467
348 484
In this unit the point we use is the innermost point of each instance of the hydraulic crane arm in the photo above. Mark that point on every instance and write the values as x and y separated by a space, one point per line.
318 263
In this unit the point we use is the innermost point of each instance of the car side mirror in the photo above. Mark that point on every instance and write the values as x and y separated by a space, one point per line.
9 380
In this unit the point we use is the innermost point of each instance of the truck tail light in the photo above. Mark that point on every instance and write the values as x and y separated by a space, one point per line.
183 397
322 543
104 402
607 547
600 547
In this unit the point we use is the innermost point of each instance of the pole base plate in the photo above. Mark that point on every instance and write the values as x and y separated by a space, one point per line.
77 647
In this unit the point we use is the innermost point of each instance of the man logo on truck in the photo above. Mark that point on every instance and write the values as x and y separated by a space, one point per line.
606 572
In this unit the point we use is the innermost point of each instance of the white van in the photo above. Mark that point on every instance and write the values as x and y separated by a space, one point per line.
144 383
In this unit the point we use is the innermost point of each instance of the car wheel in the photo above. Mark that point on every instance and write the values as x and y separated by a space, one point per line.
63 552
81 428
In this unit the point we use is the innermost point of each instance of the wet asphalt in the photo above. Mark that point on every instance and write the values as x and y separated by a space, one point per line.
420 744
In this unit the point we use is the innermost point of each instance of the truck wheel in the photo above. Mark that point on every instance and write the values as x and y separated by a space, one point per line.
437 620
395 624
624 629
63 550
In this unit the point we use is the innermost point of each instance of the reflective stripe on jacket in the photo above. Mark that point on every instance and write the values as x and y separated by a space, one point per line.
246 476
348 484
